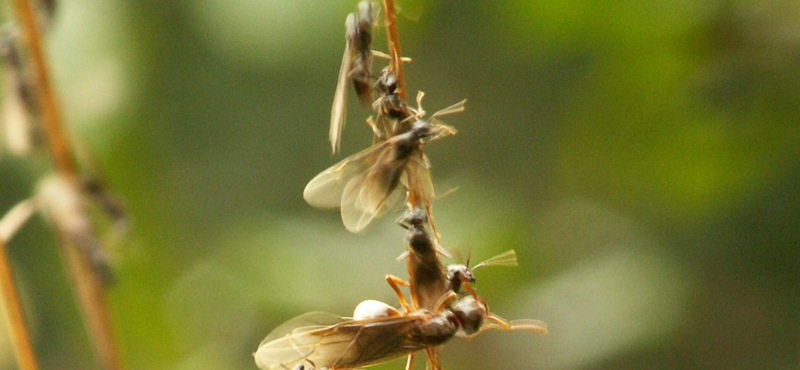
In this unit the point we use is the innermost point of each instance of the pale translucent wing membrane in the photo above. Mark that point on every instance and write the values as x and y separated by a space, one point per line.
325 190
356 215
346 345
393 201
361 185
418 177
303 323
286 352
366 196
379 181
280 351
359 209
339 108
507 258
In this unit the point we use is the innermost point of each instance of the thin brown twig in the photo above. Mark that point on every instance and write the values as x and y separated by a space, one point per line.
90 291
393 41
20 338
58 143
396 66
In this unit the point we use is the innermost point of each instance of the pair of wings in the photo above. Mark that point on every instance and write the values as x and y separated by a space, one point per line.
367 183
352 51
323 340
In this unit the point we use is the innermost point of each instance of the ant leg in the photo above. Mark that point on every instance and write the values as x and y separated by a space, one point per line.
395 282
382 55
433 359
402 256
498 322
410 361
429 212
445 301
465 284
531 325
377 134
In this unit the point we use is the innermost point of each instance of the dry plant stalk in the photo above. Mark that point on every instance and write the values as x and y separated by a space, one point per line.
20 338
57 141
393 41
90 290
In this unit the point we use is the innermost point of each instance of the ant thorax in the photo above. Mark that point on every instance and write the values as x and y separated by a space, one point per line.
437 328
470 314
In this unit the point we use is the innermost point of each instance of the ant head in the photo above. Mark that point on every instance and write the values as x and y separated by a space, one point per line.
415 217
421 129
387 82
458 274
368 12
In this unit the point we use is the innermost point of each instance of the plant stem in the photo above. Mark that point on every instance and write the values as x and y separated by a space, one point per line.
90 291
23 350
393 41
58 143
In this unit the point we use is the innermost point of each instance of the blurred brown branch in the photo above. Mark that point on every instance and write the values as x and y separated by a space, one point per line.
89 287
393 41
20 337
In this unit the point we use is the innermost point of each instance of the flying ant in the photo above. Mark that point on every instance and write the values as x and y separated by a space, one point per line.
366 183
319 340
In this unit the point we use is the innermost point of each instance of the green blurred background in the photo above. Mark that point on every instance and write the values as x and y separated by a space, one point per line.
642 158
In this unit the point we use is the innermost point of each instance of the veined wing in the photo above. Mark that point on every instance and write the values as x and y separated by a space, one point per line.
374 190
346 345
417 177
305 322
325 190
339 108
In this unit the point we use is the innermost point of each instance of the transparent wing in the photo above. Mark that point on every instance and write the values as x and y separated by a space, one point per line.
305 322
365 196
355 214
346 345
339 108
418 177
325 190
